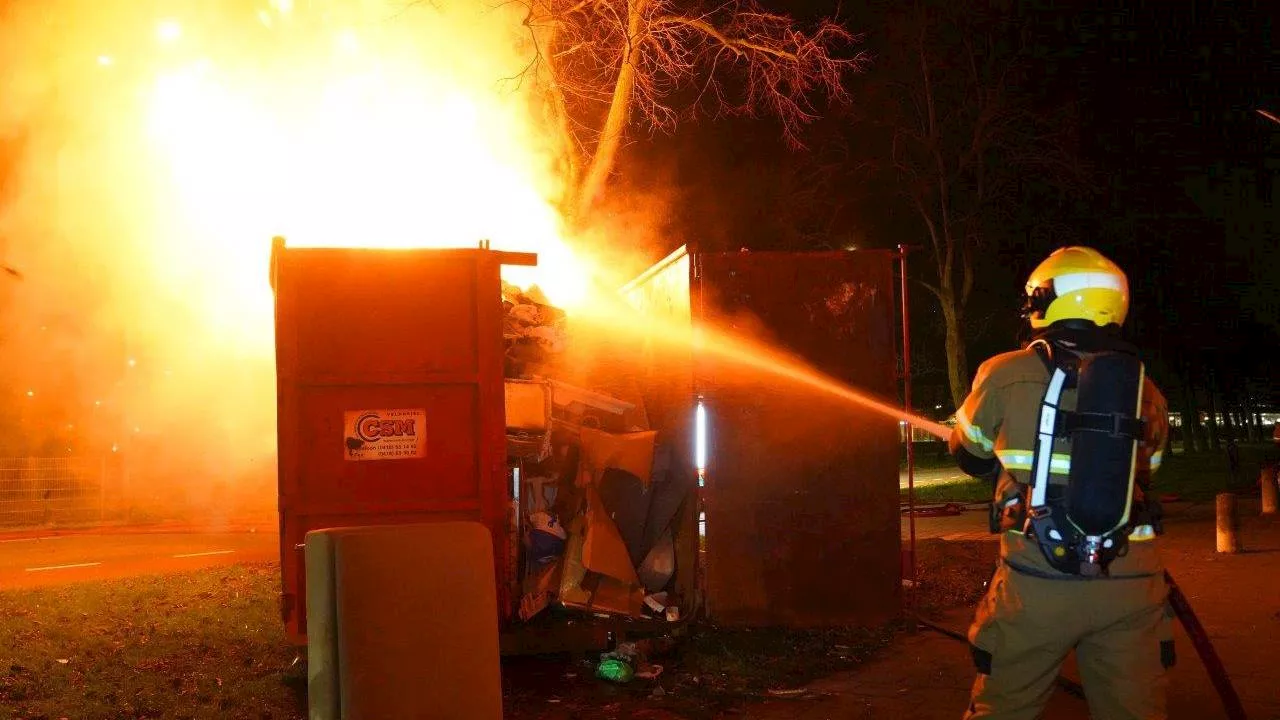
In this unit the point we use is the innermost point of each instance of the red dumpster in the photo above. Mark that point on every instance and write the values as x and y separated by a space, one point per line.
390 396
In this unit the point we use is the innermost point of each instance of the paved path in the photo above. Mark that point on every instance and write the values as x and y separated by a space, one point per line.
1236 597
56 559
968 525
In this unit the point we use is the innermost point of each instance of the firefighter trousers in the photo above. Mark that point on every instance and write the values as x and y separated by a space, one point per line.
1120 628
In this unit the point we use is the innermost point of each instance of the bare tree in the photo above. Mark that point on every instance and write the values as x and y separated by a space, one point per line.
964 144
604 65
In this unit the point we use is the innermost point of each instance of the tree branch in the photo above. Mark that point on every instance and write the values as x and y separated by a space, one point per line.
622 61
739 46
937 292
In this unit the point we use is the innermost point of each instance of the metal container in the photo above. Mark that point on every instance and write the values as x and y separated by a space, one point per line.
799 490
390 397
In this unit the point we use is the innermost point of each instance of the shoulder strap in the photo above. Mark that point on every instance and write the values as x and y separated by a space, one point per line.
1046 431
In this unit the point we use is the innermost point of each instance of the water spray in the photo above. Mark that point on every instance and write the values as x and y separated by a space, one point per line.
744 353
739 352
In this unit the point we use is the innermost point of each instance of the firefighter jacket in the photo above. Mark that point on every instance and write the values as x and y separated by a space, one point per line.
999 420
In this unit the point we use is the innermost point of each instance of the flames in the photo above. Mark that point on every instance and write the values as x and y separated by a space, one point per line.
150 158
395 135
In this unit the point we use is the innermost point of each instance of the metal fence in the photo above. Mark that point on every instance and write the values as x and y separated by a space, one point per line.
52 491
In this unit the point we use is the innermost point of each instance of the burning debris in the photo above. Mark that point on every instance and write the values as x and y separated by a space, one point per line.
598 494
533 330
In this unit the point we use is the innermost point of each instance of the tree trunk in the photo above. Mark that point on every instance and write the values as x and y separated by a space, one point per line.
1228 425
1242 421
556 115
1230 432
1192 438
1214 440
957 363
1250 412
615 123
1192 431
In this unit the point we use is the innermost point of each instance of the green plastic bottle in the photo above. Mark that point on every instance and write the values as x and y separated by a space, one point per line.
615 669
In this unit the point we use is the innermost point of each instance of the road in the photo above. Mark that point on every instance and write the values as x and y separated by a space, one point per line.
58 559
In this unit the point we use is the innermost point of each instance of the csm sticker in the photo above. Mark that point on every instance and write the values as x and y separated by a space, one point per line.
385 434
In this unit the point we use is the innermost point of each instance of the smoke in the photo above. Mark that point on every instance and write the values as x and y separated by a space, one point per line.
146 161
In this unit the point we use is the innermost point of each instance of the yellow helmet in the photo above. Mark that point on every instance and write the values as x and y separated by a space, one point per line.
1077 283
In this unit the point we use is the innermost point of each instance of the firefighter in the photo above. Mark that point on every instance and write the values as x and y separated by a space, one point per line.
1068 430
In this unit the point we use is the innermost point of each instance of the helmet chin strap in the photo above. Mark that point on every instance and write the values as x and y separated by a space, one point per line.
1078 325
1070 332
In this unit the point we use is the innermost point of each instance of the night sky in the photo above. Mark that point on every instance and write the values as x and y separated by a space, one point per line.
1161 100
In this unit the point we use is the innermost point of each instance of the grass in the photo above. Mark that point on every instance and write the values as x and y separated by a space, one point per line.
205 644
1200 476
1193 477
928 456
962 491
209 644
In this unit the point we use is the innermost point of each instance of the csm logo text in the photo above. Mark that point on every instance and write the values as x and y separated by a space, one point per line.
372 427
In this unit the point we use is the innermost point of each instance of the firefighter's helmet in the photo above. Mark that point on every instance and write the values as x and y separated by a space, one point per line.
1077 283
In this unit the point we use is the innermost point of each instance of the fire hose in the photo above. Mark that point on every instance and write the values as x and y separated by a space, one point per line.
1199 639
1204 648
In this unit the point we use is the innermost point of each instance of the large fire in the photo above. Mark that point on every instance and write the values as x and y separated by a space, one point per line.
396 134
163 146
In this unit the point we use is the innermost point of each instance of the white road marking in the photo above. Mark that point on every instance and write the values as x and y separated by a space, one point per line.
203 554
51 537
62 567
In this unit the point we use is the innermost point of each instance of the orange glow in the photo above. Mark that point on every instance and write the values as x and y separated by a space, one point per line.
354 144
160 155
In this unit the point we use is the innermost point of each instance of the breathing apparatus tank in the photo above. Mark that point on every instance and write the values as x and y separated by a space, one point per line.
1083 525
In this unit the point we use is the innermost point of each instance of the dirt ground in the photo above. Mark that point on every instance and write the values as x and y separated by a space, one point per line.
1237 598
927 675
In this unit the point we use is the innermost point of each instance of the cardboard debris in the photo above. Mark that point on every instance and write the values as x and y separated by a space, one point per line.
565 438
574 572
604 550
528 405
632 452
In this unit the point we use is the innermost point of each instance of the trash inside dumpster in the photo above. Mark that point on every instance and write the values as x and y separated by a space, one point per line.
597 496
